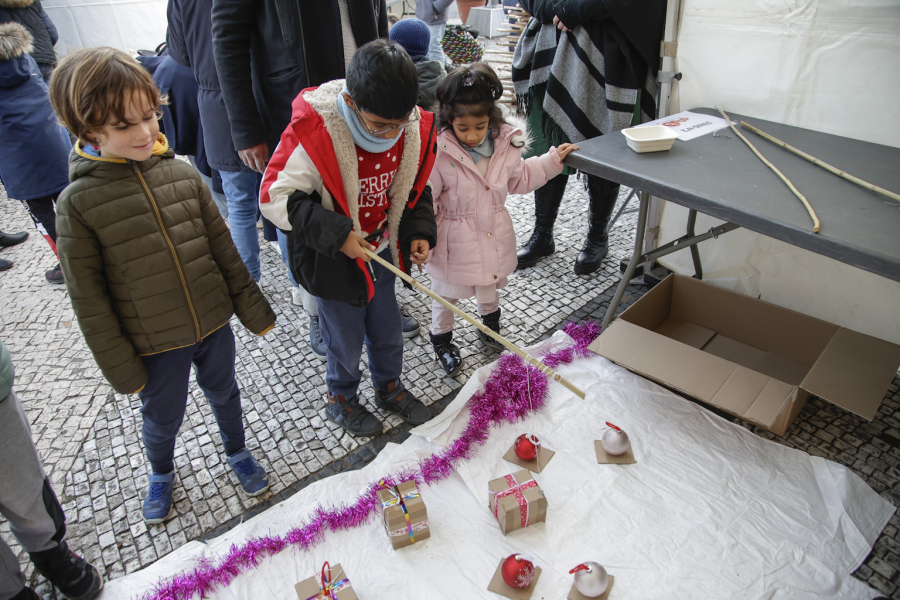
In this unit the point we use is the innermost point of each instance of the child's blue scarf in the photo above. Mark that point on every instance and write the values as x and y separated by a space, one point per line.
362 138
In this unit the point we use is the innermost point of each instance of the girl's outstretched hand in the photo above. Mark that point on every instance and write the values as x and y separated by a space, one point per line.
418 252
564 149
354 244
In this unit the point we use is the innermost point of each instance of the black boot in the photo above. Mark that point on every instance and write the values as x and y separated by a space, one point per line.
492 321
76 578
546 206
603 195
447 352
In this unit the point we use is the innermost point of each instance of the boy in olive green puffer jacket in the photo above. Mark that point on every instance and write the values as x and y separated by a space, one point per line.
150 266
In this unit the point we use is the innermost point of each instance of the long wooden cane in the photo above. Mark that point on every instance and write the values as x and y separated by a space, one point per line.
787 181
486 330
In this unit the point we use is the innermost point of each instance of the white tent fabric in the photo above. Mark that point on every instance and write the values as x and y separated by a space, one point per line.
827 65
123 24
710 510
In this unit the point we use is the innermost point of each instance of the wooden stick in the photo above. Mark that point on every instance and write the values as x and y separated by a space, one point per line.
480 326
823 164
809 208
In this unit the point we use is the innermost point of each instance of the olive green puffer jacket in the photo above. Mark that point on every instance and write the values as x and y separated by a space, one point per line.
149 263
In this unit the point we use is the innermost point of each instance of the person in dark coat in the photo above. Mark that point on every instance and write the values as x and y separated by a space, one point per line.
35 19
190 43
415 37
265 54
581 69
271 51
34 148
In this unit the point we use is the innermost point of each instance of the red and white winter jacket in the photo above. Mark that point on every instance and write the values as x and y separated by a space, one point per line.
311 190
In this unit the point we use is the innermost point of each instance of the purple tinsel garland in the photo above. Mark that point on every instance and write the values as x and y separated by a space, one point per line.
514 389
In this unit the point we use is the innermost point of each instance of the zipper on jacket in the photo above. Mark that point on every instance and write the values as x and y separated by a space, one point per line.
162 228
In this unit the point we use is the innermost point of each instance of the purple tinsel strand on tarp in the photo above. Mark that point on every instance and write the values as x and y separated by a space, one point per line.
514 390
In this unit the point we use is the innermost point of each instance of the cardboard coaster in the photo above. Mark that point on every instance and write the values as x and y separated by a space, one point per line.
498 586
574 594
605 459
535 466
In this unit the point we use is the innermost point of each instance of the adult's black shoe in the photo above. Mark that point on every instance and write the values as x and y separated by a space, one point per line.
5 264
11 239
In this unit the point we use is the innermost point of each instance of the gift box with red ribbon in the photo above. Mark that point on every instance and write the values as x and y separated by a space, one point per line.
404 514
517 501
331 584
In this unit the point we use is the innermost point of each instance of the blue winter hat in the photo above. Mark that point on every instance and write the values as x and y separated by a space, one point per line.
414 36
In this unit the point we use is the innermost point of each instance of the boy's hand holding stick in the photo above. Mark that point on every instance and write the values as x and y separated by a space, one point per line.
486 330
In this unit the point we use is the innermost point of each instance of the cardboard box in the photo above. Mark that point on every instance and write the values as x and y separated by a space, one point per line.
401 532
311 587
516 499
747 357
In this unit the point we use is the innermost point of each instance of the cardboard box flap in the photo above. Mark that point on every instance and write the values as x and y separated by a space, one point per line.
854 371
676 365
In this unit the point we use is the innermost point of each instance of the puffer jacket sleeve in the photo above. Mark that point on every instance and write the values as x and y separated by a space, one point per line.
82 265
250 306
532 173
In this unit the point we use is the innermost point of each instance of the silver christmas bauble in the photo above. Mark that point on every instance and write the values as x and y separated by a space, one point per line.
592 581
615 441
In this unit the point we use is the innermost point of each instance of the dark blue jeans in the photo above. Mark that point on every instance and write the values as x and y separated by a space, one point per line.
345 328
164 398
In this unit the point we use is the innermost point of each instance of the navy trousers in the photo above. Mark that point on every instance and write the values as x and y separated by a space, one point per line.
345 328
164 398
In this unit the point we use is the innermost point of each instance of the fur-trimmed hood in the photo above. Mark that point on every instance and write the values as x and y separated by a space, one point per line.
15 40
522 138
15 3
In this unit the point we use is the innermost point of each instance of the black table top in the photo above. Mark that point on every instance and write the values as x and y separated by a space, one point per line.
721 177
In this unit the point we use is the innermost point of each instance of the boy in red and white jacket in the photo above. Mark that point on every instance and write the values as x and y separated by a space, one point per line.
351 172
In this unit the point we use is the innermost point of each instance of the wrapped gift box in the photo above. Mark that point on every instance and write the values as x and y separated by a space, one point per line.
404 514
311 588
517 501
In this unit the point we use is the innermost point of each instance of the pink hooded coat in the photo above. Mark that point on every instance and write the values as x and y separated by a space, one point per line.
476 243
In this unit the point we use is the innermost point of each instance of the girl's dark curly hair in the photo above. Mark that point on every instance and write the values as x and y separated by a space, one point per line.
470 90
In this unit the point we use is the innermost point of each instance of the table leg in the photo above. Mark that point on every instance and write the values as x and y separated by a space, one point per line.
695 252
633 263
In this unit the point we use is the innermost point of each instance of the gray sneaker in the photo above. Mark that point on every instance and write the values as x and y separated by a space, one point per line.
410 325
316 343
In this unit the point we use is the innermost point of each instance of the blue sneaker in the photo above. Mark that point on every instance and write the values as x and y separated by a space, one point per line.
158 503
253 477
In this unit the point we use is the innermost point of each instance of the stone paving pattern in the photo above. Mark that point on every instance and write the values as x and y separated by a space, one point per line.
89 437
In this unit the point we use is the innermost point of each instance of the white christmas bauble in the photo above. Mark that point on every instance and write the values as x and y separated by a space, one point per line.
615 441
591 581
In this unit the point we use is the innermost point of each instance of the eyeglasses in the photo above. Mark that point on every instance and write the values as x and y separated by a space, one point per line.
381 130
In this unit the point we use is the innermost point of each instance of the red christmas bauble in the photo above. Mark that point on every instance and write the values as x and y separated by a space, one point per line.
527 446
517 571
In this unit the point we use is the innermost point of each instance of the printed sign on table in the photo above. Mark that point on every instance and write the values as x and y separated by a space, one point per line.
690 125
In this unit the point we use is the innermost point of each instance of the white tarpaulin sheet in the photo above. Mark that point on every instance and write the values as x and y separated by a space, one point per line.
709 510
123 24
827 65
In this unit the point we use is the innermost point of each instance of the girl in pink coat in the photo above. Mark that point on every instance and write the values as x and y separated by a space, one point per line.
479 162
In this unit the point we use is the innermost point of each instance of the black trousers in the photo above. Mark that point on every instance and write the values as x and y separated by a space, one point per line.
43 213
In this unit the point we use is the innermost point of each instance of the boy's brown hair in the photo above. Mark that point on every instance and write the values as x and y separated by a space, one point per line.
92 87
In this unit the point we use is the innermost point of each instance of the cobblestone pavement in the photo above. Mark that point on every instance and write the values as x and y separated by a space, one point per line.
89 438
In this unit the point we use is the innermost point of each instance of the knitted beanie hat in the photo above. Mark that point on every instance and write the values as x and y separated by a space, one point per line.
414 36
